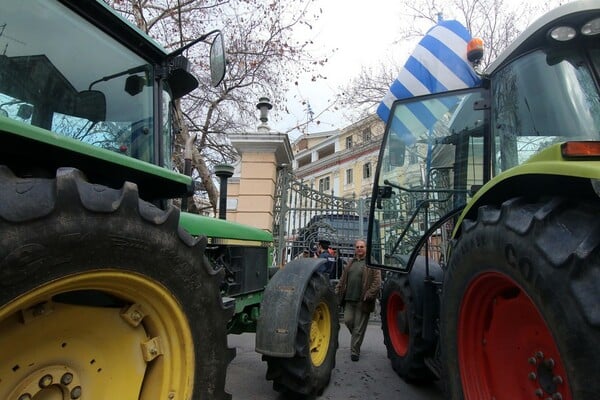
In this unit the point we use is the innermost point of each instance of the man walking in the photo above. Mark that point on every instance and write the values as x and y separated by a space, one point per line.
357 289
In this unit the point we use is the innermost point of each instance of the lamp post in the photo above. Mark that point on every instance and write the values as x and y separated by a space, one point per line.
264 105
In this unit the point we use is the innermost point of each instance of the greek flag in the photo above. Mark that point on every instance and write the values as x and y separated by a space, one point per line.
439 63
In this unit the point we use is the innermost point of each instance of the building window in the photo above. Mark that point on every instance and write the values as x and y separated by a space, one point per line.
367 171
366 134
303 161
349 173
349 142
324 184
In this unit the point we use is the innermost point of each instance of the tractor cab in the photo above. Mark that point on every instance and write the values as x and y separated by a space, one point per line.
88 84
440 150
487 201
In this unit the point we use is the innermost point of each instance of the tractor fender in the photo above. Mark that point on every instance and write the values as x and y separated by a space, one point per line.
416 279
280 307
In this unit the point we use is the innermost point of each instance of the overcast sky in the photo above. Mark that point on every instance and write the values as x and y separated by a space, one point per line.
363 36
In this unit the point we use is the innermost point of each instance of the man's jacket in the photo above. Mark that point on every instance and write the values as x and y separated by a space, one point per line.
371 283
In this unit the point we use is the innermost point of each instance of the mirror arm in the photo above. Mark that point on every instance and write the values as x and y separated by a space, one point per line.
130 71
193 42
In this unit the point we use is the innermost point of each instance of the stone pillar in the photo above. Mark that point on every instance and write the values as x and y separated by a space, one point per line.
261 155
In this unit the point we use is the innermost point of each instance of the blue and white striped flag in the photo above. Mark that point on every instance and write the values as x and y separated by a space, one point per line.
439 63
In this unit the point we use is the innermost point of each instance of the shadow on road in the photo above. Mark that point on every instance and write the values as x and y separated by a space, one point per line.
371 378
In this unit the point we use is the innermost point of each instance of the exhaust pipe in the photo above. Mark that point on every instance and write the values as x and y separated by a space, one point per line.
224 172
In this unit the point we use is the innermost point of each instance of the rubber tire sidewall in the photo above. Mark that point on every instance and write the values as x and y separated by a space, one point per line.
297 376
492 247
73 240
411 366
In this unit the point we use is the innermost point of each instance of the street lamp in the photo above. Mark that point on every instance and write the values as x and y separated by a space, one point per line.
264 105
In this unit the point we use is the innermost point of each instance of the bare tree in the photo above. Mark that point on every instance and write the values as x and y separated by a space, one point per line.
262 54
365 91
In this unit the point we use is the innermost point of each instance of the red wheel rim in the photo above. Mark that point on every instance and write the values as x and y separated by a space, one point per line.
397 323
505 348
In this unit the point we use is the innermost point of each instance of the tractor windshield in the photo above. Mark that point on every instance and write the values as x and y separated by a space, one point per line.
62 74
543 98
432 157
430 163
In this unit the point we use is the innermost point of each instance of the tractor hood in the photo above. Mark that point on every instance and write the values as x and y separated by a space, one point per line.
546 172
198 225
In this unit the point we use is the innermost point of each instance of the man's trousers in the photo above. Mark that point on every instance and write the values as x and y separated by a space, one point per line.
356 320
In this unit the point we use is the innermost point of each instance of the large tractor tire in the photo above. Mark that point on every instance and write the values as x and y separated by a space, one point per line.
308 372
519 317
102 296
402 331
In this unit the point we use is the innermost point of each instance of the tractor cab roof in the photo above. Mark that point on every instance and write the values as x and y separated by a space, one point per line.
537 35
112 23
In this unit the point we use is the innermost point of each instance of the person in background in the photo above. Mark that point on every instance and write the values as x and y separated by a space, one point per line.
357 289
313 251
339 264
304 254
326 268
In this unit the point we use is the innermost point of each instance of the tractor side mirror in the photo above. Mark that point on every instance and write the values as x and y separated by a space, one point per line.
217 60
25 111
134 84
91 105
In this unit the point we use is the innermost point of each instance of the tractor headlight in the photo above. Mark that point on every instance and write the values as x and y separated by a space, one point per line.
591 28
563 33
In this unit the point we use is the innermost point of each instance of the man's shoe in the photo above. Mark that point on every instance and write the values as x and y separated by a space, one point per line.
354 357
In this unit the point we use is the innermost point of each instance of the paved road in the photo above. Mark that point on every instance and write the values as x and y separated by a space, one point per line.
371 378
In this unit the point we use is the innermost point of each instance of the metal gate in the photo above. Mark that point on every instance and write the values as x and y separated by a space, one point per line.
303 216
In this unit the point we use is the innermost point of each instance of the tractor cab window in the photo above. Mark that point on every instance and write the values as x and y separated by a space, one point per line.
444 135
89 88
543 98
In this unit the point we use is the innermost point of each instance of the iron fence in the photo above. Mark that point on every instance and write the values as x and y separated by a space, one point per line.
304 215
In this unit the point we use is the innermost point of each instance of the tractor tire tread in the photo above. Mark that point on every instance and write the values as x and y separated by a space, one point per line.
42 219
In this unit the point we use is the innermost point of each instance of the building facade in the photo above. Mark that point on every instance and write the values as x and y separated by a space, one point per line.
340 162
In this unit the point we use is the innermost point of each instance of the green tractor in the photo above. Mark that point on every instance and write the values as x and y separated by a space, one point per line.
106 289
489 223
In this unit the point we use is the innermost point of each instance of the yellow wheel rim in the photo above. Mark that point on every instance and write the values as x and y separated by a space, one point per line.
320 334
54 350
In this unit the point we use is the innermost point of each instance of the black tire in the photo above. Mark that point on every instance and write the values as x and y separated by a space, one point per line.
93 279
402 331
520 303
308 372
